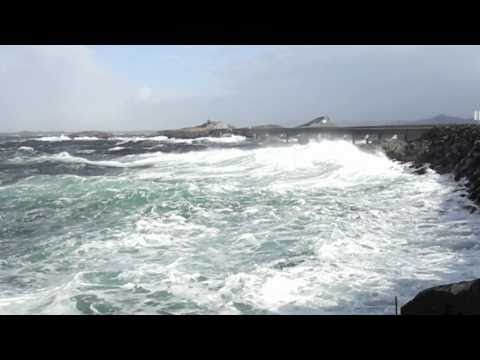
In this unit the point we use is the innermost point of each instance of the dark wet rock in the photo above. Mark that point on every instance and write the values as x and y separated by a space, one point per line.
461 298
470 208
287 264
420 171
445 149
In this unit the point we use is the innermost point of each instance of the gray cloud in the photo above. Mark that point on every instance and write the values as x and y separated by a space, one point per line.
57 87
359 83
66 88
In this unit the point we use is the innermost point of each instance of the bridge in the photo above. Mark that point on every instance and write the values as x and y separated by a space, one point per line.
370 133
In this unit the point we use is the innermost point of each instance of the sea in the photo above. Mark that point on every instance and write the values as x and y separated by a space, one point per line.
231 225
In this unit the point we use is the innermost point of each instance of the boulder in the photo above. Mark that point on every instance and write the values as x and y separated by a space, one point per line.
396 150
461 298
420 171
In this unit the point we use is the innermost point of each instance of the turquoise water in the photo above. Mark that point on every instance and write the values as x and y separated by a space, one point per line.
222 226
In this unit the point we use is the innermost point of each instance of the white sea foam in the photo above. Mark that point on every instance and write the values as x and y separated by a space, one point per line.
67 158
54 138
86 138
64 137
116 148
222 140
134 139
26 148
322 228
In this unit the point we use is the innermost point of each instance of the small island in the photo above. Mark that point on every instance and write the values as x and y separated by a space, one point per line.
207 129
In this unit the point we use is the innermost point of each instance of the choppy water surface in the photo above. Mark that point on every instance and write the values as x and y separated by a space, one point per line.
222 226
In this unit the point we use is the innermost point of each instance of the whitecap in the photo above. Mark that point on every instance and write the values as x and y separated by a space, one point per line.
135 139
86 138
54 138
116 148
26 148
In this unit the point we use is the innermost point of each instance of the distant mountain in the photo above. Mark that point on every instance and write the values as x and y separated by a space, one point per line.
444 119
319 122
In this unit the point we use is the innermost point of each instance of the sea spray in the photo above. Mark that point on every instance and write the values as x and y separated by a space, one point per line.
232 228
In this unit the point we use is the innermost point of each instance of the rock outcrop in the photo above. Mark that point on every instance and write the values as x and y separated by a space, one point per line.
461 298
207 129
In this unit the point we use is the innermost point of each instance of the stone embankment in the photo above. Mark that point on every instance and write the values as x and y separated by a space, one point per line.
451 149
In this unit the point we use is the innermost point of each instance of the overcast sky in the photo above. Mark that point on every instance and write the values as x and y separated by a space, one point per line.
154 87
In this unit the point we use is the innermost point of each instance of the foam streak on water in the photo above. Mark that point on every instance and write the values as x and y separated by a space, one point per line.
322 228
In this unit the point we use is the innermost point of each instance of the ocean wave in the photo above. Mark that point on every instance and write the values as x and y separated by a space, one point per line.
64 157
220 140
26 148
67 158
335 162
320 228
67 138
54 138
116 148
87 138
135 139
142 160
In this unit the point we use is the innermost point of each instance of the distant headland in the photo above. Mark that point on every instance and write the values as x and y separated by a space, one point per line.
218 128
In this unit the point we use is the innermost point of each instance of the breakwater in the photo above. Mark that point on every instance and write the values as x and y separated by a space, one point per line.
451 149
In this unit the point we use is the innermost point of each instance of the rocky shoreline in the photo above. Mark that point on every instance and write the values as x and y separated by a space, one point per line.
451 149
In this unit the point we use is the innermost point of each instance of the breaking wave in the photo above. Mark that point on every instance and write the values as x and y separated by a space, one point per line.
322 228
54 138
